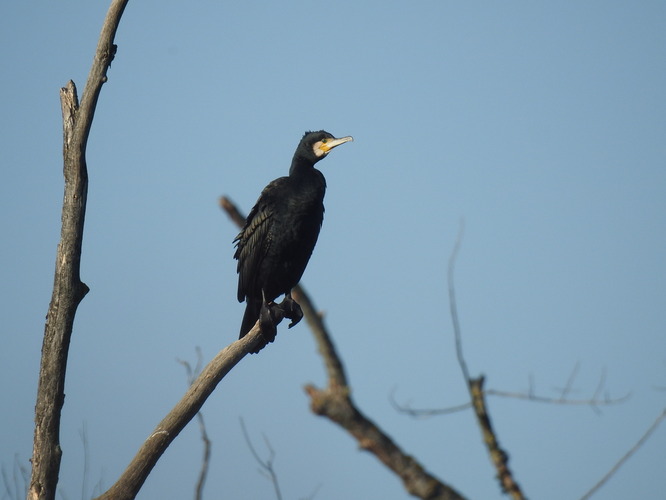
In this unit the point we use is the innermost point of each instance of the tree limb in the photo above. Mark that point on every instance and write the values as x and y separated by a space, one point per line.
130 482
335 403
68 289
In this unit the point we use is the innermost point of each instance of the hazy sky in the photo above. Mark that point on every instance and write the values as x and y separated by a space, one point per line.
542 125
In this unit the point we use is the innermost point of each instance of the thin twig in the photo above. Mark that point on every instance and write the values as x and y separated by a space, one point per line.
313 494
498 456
572 377
266 465
594 402
453 307
428 412
626 456
203 473
83 434
19 490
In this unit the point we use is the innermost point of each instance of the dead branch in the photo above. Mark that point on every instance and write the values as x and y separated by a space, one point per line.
498 456
17 485
68 289
130 482
335 403
626 456
266 465
594 402
207 445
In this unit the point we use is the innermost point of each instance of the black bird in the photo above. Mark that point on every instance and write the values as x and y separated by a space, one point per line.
279 235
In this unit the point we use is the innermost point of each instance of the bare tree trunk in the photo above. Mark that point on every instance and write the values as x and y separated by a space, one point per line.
68 290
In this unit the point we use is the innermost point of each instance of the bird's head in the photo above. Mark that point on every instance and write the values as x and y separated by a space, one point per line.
316 145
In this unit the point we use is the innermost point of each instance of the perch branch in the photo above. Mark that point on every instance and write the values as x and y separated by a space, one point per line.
68 289
336 404
130 482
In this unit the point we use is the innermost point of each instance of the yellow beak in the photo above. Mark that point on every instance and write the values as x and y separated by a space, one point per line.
326 147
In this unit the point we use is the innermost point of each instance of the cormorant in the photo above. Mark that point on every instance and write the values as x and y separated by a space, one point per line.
279 235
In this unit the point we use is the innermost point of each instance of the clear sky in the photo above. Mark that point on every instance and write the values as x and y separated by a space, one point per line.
542 124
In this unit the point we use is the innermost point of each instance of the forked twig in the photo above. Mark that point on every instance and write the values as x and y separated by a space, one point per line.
266 465
498 456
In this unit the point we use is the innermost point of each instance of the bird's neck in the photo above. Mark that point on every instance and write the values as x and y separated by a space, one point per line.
300 167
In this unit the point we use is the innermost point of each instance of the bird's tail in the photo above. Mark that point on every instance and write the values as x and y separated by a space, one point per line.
252 312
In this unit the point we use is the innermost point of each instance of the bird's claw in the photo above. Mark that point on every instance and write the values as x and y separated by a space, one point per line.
269 316
291 310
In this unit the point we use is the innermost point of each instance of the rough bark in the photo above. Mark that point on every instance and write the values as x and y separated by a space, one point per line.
68 289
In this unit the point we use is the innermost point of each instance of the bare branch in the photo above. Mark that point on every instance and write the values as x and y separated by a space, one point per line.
626 456
428 412
83 434
498 456
68 290
572 377
232 211
335 403
594 402
266 465
453 308
334 368
313 494
203 473
137 471
20 479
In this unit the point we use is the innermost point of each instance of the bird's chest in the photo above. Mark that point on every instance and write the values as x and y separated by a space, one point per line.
300 218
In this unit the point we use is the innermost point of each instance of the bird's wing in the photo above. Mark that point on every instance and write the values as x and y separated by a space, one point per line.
254 241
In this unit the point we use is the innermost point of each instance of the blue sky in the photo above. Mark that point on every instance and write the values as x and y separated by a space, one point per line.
543 125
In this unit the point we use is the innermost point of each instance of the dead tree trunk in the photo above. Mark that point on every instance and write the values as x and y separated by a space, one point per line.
68 290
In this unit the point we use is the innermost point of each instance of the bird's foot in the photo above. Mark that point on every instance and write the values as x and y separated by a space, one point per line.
269 316
291 310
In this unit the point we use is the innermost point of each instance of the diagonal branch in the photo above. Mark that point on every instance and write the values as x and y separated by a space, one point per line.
335 403
646 435
130 482
68 290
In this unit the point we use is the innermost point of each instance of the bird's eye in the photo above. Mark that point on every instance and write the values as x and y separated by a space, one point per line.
324 141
